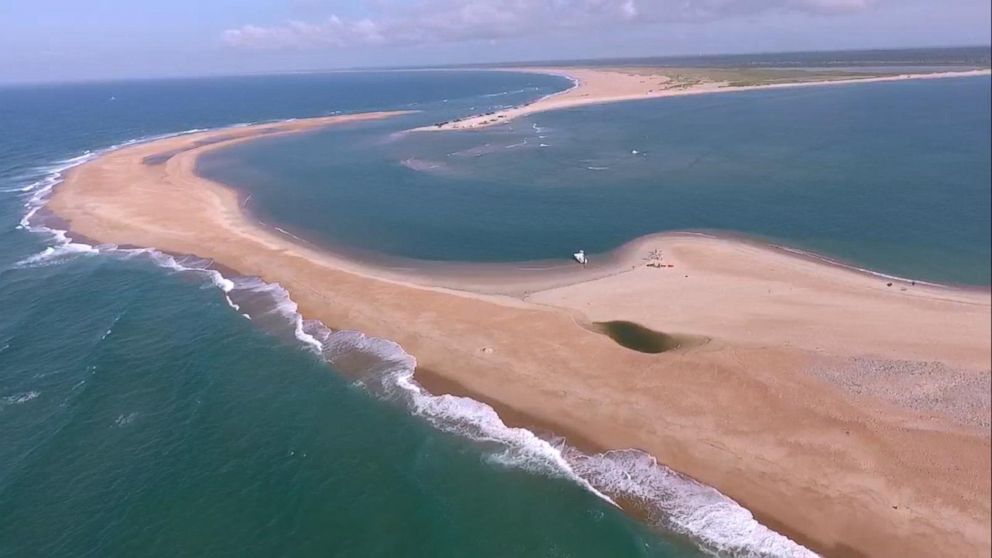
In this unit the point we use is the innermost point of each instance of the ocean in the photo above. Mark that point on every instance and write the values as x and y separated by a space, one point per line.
142 414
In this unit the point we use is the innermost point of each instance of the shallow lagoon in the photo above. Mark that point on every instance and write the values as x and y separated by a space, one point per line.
888 176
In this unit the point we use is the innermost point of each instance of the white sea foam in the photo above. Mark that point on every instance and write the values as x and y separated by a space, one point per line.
110 328
61 246
18 398
27 188
40 189
515 91
683 505
124 420
516 447
392 377
282 305
55 254
679 503
390 353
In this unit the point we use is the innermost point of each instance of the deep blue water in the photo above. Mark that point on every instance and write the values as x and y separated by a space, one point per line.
892 176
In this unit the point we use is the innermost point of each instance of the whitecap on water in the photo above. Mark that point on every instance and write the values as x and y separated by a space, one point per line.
124 420
56 254
18 398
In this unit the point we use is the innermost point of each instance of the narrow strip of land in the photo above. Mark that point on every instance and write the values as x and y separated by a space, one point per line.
783 400
611 85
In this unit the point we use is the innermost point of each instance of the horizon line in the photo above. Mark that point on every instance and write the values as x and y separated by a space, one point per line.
507 64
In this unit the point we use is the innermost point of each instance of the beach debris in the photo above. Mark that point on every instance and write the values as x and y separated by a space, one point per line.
487 350
634 152
654 259
889 284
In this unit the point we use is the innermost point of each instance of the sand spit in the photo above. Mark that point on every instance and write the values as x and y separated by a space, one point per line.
611 85
761 410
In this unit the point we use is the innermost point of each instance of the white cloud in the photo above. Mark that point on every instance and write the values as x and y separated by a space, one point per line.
433 21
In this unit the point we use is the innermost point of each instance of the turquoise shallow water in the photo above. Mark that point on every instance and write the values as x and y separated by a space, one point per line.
892 177
143 417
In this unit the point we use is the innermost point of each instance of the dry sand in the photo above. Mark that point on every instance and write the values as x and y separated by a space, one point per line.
611 85
763 410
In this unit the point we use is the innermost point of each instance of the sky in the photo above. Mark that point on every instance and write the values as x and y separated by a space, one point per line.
67 40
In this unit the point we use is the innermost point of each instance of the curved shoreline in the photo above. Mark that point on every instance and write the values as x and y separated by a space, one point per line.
614 397
519 277
594 86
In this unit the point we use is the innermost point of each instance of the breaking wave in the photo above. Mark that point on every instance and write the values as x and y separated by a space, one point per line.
680 504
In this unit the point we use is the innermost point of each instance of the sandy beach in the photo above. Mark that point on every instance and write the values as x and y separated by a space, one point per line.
612 85
846 410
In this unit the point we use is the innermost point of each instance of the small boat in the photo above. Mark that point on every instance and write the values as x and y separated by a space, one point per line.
580 257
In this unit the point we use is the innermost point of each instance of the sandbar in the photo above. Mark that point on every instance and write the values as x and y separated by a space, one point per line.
785 405
611 85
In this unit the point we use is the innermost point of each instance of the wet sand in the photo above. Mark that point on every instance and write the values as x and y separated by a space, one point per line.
612 85
763 410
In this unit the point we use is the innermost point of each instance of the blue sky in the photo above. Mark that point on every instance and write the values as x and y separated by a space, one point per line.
55 40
